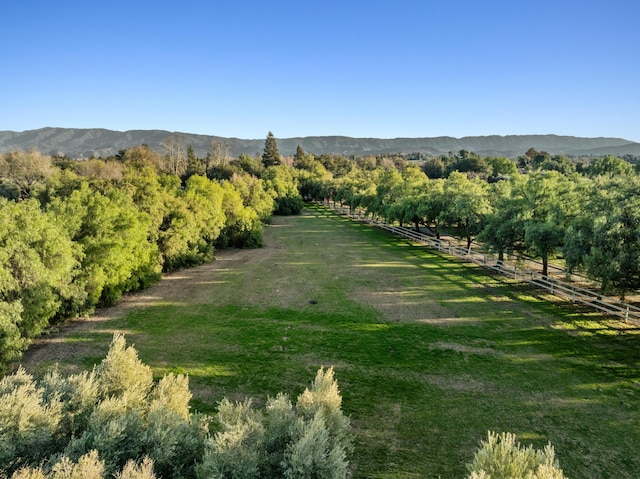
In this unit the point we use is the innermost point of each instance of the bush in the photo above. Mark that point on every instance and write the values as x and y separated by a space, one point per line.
88 466
289 205
28 423
115 411
311 440
115 421
502 457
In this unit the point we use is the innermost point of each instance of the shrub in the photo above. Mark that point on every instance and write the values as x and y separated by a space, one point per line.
289 205
122 373
310 441
115 411
502 457
88 466
131 470
27 422
115 421
78 395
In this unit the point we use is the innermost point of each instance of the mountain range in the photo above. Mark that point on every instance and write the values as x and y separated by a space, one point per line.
98 142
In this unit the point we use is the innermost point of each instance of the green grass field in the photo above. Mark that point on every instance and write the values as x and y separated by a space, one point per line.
430 353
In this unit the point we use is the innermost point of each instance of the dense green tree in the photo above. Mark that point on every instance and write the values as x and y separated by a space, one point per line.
248 164
242 227
253 194
502 167
271 155
471 163
434 167
140 157
204 198
609 166
314 183
280 183
195 165
303 161
338 165
144 186
38 268
180 240
557 163
113 235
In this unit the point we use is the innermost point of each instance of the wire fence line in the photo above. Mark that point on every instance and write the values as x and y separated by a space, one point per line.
563 289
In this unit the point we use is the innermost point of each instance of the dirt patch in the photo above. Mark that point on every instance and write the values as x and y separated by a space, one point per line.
463 348
409 305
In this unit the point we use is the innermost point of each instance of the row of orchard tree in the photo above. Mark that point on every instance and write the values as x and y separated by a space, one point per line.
590 218
75 235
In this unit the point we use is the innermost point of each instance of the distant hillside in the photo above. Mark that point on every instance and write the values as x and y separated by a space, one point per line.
85 143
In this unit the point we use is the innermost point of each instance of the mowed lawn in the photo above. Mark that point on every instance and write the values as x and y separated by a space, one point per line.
430 353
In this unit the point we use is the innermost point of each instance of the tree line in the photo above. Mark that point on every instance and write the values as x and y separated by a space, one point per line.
538 205
76 235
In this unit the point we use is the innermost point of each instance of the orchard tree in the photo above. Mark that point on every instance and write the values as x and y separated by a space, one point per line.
388 191
431 205
271 155
405 200
467 206
550 200
504 227
604 239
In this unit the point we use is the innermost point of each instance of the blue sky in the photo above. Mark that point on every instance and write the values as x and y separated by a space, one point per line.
400 68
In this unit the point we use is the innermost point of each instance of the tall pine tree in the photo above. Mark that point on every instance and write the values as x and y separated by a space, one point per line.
271 155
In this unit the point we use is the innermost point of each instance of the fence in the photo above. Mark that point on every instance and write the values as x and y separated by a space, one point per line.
557 287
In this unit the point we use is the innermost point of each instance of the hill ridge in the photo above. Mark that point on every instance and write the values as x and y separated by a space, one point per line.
102 142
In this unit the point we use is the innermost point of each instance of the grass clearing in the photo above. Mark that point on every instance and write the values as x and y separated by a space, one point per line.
429 352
